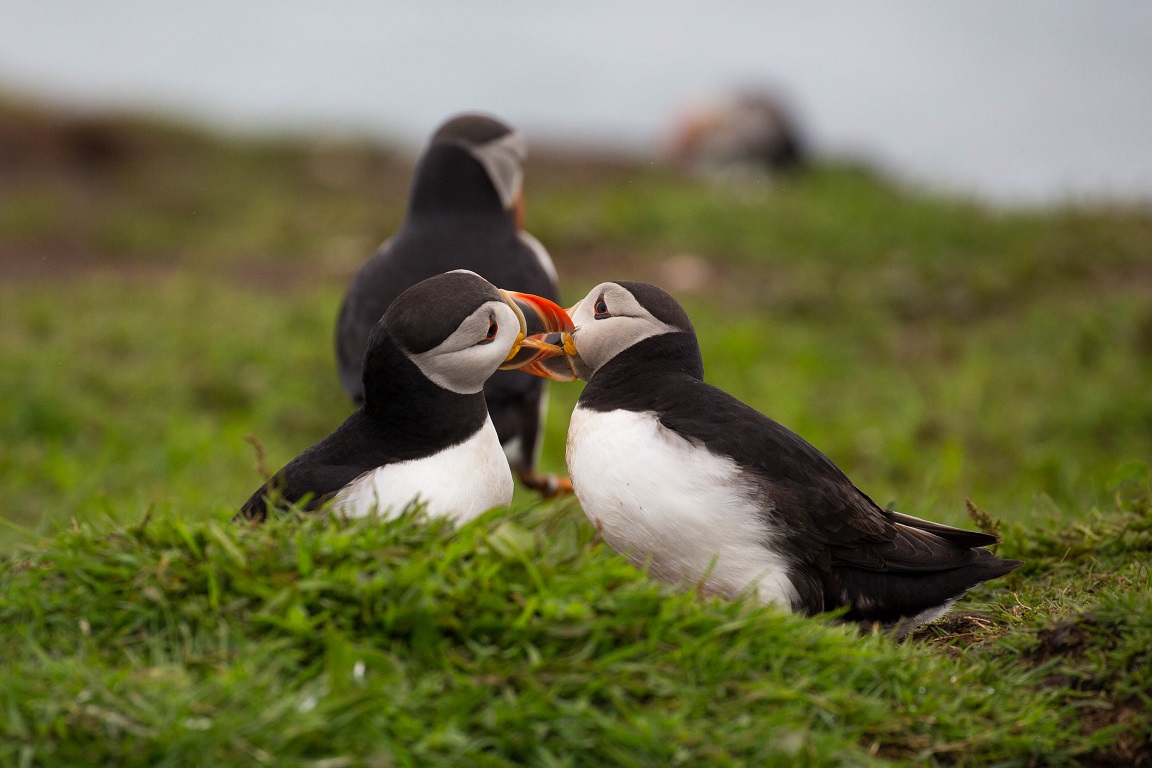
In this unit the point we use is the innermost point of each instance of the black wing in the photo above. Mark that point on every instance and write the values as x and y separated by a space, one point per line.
494 250
318 474
846 550
827 520
373 288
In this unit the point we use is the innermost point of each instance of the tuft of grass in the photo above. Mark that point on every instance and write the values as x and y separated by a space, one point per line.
984 521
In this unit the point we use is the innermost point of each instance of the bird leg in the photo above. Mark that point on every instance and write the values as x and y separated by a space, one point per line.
548 486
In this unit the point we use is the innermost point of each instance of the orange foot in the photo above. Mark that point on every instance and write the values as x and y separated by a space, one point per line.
548 486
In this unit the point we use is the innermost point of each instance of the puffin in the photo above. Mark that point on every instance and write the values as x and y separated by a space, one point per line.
423 432
696 486
745 133
465 210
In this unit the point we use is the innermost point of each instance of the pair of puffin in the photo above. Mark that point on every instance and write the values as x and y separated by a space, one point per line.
678 476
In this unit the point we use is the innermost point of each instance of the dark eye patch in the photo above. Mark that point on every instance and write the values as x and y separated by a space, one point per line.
493 329
601 308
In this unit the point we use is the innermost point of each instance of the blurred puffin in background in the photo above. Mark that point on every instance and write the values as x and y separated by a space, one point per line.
465 211
748 133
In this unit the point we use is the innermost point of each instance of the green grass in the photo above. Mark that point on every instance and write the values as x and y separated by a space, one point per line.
519 640
169 296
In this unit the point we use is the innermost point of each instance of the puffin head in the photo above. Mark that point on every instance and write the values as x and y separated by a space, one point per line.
468 153
612 318
458 329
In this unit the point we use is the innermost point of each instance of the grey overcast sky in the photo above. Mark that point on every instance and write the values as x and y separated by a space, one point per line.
1026 100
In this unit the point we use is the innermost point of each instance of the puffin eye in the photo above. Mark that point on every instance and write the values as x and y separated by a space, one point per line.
601 308
493 327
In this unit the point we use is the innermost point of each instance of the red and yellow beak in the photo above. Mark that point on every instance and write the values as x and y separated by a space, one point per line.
556 364
540 319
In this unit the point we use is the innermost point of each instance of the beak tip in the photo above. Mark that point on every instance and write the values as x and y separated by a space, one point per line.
545 335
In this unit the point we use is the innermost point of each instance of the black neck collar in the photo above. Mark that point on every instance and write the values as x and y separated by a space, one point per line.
634 378
449 179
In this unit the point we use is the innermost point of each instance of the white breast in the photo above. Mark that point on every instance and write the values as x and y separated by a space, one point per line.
664 502
459 482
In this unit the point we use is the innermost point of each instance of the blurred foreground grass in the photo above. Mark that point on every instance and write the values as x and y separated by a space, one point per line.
167 293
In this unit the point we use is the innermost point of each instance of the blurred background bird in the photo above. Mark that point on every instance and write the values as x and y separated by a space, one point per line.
747 132
465 211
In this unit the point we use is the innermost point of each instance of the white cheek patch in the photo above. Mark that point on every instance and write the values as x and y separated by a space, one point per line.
503 159
598 341
460 363
462 371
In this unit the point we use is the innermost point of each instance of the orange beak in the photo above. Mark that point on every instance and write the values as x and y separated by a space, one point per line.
539 319
555 362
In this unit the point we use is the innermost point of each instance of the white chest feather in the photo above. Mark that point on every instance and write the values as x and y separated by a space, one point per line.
664 502
459 482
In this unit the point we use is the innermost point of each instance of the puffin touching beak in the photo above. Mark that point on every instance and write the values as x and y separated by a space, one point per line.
555 362
539 319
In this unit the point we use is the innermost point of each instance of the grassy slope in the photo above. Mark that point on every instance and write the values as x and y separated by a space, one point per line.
520 641
174 293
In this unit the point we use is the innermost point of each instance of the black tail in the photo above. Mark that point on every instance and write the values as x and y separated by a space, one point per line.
888 596
957 536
